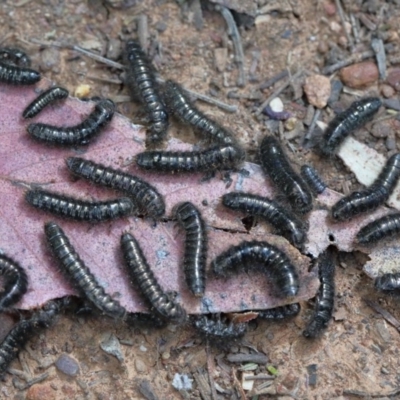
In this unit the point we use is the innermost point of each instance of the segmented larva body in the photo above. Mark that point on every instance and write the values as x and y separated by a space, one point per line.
12 55
218 329
275 262
149 202
380 229
142 275
14 75
15 282
313 180
79 210
25 330
357 115
195 257
142 82
372 197
182 108
79 274
80 134
280 218
388 282
277 167
213 159
325 298
279 313
49 96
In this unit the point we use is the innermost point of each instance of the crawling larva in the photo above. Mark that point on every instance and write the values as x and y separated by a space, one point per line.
195 257
388 282
79 210
281 312
313 180
142 82
275 262
144 195
14 75
280 218
357 115
79 274
15 282
181 107
141 273
80 134
43 100
213 159
12 55
380 229
372 197
25 330
277 167
325 298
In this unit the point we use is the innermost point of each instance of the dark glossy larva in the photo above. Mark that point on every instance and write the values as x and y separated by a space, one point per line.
372 197
195 257
277 167
357 115
325 297
142 276
80 134
43 100
79 274
380 229
15 282
14 75
149 202
287 224
218 328
24 331
143 85
388 282
80 210
279 313
313 180
213 159
14 56
274 262
181 107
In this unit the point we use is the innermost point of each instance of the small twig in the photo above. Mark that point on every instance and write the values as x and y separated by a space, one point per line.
312 125
233 32
354 59
274 79
359 393
227 107
22 3
342 19
209 371
259 377
107 80
385 314
243 358
379 49
355 28
237 384
146 390
278 91
143 31
202 384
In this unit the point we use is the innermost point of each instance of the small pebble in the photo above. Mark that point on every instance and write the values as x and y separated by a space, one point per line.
393 78
390 143
49 59
140 366
317 89
40 391
182 382
381 129
336 89
82 91
67 365
220 58
387 91
161 26
359 75
114 48
110 344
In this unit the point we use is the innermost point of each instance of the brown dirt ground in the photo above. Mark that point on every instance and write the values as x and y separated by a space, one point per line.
359 351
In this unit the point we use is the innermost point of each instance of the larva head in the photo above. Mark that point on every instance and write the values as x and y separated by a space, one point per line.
367 107
301 200
388 282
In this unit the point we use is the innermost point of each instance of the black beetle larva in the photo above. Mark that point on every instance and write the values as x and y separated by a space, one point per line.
195 257
388 282
15 281
142 275
79 210
80 134
277 167
281 312
144 195
12 55
14 75
381 228
357 115
79 274
372 197
213 159
43 100
142 82
325 297
313 180
275 262
283 220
